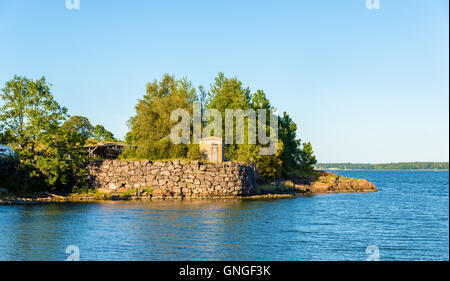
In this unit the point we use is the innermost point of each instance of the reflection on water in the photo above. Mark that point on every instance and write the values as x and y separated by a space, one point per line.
407 219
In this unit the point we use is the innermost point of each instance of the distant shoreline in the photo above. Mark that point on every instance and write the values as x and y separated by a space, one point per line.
431 170
394 166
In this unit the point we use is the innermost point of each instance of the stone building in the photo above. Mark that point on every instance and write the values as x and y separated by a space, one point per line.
212 149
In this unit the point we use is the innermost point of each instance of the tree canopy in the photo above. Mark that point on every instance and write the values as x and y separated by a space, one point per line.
151 125
48 145
82 126
49 142
29 111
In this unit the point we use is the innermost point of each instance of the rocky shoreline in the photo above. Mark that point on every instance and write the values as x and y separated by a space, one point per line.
93 199
52 198
331 183
325 183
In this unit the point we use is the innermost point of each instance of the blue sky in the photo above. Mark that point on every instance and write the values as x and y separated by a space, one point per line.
362 85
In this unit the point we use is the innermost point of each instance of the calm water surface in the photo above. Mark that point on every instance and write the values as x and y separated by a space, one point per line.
408 219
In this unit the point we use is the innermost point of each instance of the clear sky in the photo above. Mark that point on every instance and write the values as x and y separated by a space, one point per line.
362 85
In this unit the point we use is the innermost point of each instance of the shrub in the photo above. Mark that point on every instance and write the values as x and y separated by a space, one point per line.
194 152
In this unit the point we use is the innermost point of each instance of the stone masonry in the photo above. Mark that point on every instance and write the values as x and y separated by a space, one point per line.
174 179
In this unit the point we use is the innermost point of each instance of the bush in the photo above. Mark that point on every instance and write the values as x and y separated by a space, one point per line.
194 152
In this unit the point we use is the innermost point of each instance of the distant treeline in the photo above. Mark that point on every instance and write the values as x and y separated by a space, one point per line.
387 166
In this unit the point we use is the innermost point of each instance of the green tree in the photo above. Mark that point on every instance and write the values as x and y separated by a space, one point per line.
202 98
80 125
287 132
260 101
151 125
229 93
4 137
49 155
100 133
307 158
60 163
29 111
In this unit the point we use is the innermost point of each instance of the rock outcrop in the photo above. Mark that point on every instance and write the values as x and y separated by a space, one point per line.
328 182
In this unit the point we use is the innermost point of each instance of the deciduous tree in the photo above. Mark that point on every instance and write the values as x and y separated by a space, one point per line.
50 156
151 125
80 125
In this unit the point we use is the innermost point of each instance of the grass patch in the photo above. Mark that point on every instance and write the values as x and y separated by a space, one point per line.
289 183
88 192
134 191
131 191
148 190
303 174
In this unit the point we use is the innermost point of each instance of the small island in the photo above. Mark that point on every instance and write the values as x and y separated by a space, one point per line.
50 156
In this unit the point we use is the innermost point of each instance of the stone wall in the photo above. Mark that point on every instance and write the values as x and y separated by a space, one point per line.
174 179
